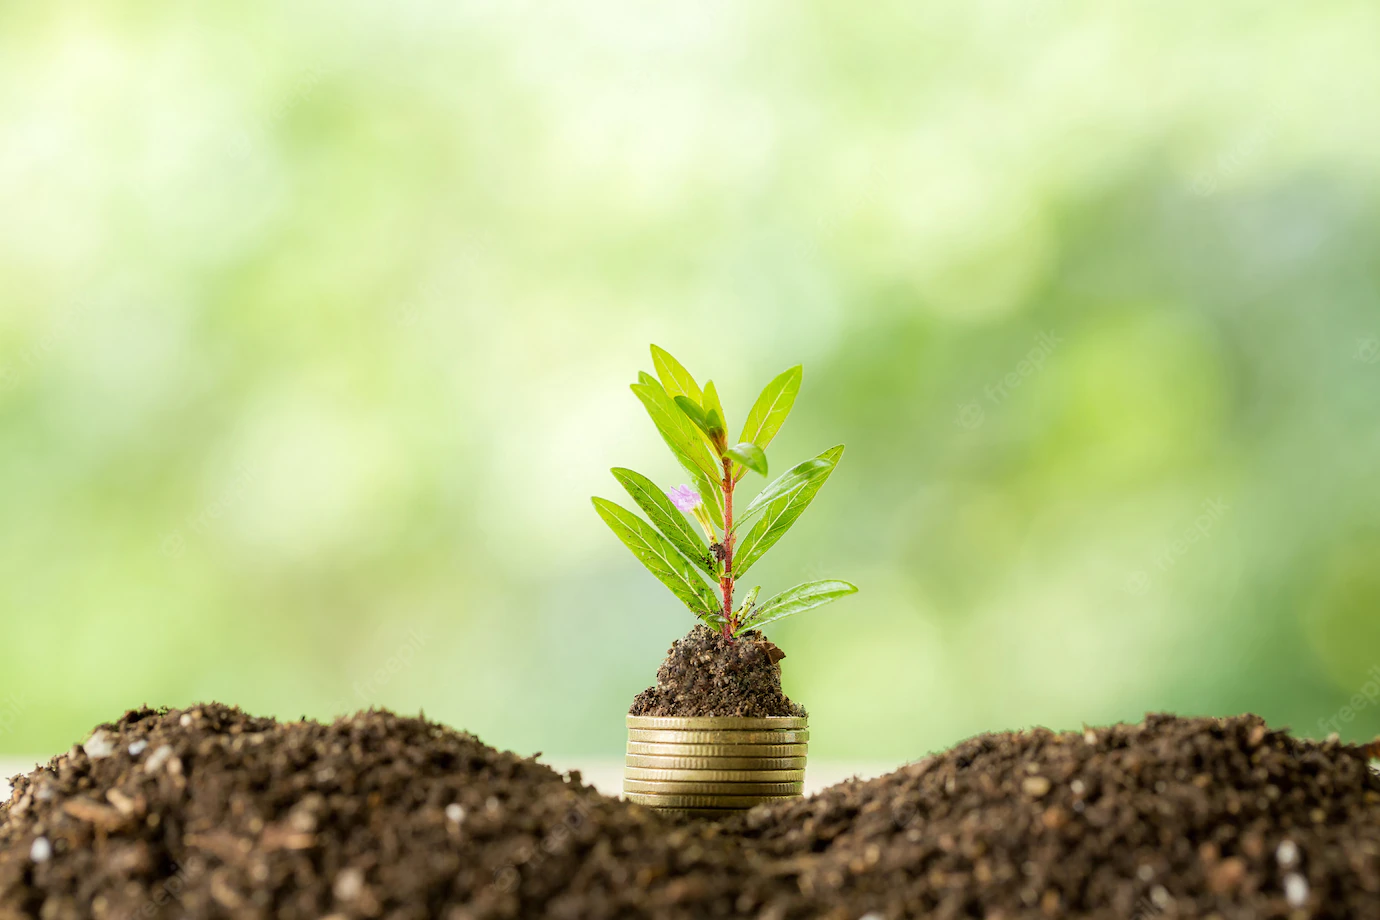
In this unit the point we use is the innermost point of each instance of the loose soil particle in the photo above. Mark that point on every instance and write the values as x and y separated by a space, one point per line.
705 674
209 812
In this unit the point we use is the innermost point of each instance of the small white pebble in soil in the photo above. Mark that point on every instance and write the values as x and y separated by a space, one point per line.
872 916
1035 785
1145 873
1295 889
1077 787
492 804
138 747
348 884
1159 896
455 812
41 851
43 793
122 802
1287 854
185 721
157 759
99 745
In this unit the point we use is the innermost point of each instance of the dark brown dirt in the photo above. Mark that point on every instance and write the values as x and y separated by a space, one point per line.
704 674
1210 818
218 814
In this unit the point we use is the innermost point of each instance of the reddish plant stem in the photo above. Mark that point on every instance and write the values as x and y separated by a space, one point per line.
726 583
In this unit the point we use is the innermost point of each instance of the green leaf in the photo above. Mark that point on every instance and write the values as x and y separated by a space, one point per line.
750 456
659 556
745 609
778 516
666 518
711 404
797 477
709 424
679 433
795 600
770 411
692 409
686 444
674 377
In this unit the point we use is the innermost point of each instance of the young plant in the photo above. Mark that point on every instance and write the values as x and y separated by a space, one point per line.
693 424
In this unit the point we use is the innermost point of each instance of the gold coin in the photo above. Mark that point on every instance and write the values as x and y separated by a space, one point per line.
718 723
716 763
651 748
705 801
715 776
643 786
668 736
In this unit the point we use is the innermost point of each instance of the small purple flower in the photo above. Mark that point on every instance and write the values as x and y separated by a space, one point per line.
684 498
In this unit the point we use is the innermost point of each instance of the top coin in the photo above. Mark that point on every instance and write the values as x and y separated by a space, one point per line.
709 723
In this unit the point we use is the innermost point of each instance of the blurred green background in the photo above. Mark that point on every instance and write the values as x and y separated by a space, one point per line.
317 323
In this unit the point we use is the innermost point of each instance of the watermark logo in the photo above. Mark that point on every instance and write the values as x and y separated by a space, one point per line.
11 708
971 416
1152 904
1213 510
170 889
973 413
304 86
1368 350
1138 582
174 542
1231 161
1361 700
395 664
507 878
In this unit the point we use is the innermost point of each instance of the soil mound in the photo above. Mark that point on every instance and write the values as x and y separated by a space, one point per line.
209 812
1211 818
705 674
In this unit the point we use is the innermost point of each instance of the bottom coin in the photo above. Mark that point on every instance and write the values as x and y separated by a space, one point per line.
658 800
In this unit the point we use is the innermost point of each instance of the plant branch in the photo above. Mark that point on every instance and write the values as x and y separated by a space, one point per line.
726 583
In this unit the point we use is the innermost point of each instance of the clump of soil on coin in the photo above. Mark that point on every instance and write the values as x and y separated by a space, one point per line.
209 812
705 674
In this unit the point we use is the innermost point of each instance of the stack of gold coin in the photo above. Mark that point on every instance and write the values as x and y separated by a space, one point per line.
714 765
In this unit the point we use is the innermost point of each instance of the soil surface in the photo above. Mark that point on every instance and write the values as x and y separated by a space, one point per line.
209 812
705 674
